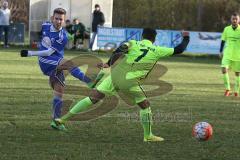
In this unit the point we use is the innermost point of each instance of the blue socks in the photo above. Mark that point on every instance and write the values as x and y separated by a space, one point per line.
77 73
57 101
57 106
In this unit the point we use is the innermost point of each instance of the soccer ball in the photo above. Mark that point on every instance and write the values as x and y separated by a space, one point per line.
202 131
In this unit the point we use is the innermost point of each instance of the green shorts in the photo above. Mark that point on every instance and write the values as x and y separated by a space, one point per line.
230 64
129 90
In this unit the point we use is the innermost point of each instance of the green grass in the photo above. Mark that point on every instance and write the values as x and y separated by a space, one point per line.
25 106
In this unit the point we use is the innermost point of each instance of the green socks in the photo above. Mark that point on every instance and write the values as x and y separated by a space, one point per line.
236 86
226 81
81 106
146 120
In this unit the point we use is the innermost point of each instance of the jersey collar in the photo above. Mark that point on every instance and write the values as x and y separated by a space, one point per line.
238 27
53 29
146 41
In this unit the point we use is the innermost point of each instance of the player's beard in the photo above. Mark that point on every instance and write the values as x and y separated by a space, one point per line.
234 25
57 27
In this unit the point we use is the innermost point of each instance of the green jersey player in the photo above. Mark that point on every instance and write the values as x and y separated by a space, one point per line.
137 60
231 56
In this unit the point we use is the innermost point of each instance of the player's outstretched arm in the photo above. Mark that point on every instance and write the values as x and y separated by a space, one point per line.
27 53
183 45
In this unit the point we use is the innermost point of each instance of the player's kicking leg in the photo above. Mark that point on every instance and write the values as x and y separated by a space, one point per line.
146 120
77 73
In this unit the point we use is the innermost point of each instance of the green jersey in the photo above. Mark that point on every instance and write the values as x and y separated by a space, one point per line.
232 38
140 59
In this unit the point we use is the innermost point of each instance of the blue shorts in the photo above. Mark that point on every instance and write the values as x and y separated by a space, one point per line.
49 64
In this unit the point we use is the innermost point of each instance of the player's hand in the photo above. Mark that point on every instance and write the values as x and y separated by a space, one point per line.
24 53
185 33
102 65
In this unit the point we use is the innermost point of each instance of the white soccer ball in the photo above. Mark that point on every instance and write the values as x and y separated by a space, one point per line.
202 131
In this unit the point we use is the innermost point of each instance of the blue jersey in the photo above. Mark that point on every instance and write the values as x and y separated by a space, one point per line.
55 40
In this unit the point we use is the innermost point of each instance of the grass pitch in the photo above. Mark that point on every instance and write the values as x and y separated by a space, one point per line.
197 95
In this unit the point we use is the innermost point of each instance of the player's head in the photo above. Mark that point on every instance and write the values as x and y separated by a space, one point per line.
75 21
68 22
149 34
97 7
58 18
235 19
5 4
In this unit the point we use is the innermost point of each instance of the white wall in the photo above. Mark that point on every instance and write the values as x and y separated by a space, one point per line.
41 10
82 11
106 8
65 4
37 14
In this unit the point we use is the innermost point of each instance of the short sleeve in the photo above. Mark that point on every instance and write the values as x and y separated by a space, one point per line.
46 27
131 43
224 35
164 51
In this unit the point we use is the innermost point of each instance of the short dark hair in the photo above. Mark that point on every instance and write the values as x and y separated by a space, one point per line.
97 5
235 14
59 11
75 19
149 33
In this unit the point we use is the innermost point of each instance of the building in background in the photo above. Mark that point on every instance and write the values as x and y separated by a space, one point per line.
40 10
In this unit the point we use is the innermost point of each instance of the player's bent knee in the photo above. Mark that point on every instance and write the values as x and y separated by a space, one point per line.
66 65
144 104
96 96
94 101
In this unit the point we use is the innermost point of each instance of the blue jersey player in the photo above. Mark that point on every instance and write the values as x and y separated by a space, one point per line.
52 63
